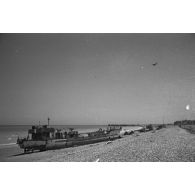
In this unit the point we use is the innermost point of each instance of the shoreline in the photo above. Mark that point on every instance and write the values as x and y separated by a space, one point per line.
8 144
171 144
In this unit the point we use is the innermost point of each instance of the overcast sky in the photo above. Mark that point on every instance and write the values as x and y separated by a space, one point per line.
96 78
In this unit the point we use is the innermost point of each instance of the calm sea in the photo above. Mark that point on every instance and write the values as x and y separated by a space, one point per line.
10 133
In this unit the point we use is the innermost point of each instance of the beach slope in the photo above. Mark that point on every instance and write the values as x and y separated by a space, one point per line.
168 145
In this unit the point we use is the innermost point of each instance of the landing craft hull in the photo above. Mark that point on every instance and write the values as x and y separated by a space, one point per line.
54 144
30 145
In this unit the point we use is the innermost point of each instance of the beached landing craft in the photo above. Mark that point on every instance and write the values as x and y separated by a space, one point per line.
46 138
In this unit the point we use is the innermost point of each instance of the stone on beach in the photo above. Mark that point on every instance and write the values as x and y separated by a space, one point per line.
167 144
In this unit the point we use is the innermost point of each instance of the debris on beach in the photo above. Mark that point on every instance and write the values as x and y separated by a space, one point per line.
97 160
46 137
109 142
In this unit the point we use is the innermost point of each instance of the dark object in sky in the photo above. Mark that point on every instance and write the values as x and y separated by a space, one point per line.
155 64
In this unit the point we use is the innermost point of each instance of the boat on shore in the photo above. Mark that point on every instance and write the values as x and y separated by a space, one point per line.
47 138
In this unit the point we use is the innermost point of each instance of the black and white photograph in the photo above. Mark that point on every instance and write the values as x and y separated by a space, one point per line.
97 97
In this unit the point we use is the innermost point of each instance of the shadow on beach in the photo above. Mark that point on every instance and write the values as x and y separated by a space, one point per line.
27 153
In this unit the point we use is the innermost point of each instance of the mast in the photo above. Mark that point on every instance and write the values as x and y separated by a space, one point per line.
48 119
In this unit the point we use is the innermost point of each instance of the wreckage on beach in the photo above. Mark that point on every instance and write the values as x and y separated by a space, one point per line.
46 138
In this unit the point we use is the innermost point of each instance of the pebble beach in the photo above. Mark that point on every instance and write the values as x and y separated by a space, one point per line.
171 144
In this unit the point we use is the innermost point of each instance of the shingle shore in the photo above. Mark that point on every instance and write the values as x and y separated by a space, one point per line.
170 144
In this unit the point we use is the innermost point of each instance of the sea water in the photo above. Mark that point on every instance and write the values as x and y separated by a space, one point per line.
10 133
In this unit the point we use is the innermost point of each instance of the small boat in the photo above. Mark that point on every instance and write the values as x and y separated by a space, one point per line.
47 138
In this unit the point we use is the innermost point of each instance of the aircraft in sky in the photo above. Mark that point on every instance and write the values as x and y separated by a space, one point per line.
154 64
